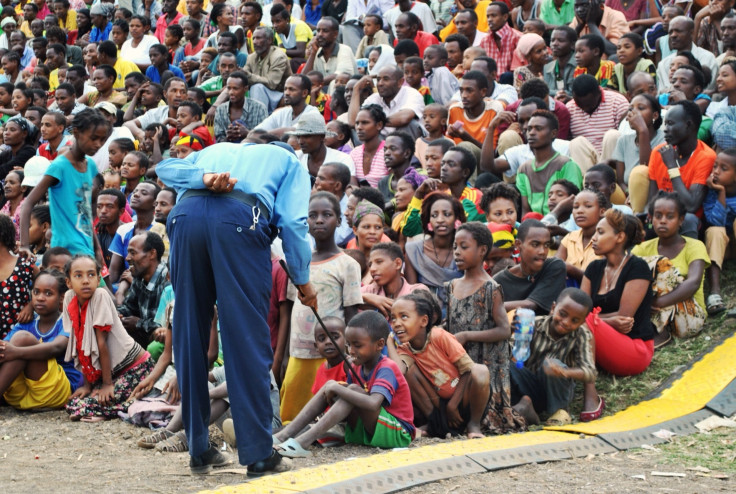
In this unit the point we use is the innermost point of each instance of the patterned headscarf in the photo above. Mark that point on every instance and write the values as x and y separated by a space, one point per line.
363 209
24 124
414 178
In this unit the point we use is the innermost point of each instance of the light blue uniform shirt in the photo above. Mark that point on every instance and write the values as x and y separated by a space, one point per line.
265 171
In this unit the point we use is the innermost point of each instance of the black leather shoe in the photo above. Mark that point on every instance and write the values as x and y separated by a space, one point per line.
268 466
202 464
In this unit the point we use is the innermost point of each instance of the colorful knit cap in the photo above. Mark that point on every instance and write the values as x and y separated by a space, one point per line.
503 235
193 142
363 209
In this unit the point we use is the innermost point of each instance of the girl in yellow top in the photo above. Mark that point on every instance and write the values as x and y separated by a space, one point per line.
679 306
576 248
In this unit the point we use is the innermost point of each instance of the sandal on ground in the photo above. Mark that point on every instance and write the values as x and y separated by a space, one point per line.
595 414
228 430
150 441
714 304
292 449
175 444
559 418
662 339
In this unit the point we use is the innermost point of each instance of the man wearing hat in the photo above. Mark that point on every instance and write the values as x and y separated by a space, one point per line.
101 25
110 112
8 25
311 132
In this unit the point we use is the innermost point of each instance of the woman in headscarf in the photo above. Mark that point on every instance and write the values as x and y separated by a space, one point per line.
534 50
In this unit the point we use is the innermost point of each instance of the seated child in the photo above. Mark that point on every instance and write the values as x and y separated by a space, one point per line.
189 122
434 119
446 386
678 284
156 142
576 248
39 226
720 213
503 248
374 34
386 264
405 189
414 77
435 151
110 360
117 150
318 98
630 52
546 385
442 83
56 258
559 202
378 414
336 276
112 177
33 373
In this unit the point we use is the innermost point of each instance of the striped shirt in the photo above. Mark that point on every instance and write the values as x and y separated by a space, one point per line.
574 349
378 166
610 112
508 38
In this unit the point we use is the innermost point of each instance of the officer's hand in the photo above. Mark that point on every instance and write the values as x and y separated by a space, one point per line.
219 182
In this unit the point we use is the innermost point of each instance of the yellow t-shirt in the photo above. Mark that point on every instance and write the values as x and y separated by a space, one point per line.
694 250
123 68
71 21
182 7
54 79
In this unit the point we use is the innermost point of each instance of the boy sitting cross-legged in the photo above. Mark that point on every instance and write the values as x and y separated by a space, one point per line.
380 415
544 384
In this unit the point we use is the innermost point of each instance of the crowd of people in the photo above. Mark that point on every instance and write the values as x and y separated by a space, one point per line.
467 159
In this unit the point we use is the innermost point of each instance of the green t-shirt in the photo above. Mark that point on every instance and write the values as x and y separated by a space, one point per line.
534 183
549 14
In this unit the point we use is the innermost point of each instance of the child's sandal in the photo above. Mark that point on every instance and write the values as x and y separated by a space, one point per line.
292 449
150 441
175 444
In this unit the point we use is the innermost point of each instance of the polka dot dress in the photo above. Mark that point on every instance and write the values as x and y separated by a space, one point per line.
15 293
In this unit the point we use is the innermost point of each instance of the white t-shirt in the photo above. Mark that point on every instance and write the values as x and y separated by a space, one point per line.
518 155
139 54
283 117
102 158
331 156
156 115
419 9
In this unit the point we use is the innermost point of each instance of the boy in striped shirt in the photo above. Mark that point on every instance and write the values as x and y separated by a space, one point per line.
547 385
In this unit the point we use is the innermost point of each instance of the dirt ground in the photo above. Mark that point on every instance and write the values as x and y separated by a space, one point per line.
47 452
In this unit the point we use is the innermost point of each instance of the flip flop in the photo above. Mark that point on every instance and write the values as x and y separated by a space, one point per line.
595 414
292 449
715 304
559 418
276 440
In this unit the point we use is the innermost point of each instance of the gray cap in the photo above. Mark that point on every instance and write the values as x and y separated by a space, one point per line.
311 124
100 9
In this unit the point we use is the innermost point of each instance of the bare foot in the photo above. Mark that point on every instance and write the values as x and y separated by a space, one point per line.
591 402
93 419
421 432
526 410
474 431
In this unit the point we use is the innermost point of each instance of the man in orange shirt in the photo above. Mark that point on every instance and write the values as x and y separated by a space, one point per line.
683 163
469 121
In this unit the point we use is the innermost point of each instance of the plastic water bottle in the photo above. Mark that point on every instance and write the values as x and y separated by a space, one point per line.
523 333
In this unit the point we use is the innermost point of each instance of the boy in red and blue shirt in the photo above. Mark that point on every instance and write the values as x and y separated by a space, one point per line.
378 414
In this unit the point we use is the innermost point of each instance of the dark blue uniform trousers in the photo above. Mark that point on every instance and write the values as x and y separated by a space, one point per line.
217 256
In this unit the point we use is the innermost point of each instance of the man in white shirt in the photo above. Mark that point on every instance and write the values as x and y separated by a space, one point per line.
283 120
681 39
327 55
403 105
420 9
311 131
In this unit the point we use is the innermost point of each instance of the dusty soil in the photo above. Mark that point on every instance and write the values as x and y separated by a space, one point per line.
45 451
